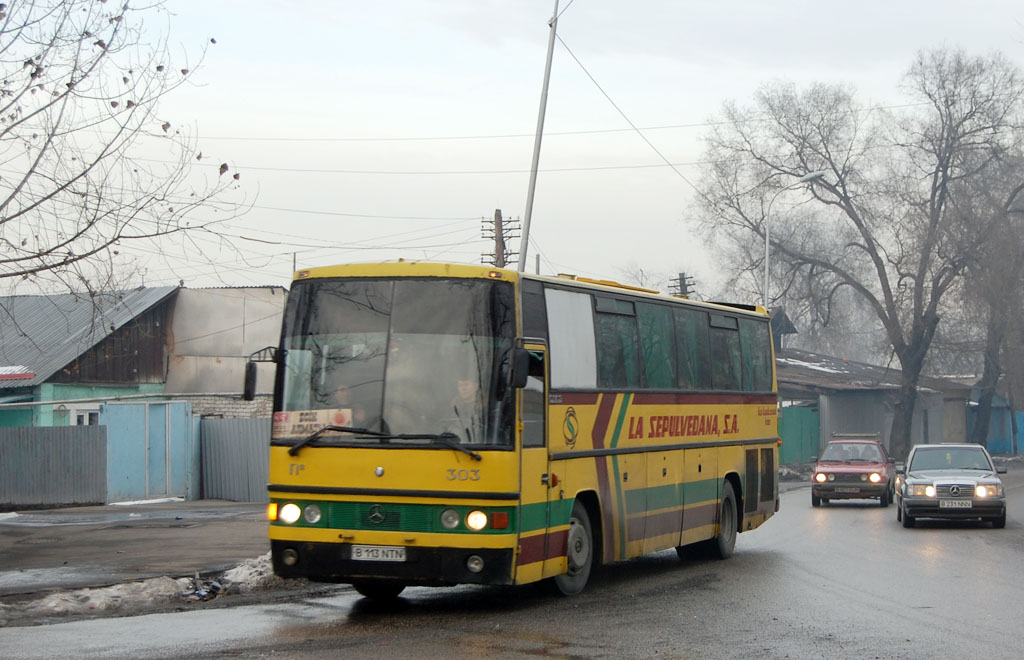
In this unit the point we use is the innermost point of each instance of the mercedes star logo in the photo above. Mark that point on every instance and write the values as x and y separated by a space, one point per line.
954 491
376 514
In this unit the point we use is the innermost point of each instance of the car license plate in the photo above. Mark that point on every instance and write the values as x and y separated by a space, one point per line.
847 490
954 504
378 553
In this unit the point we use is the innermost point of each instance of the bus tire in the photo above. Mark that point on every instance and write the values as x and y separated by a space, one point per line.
722 546
579 552
378 589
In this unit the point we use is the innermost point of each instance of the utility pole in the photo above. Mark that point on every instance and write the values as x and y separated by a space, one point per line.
537 139
682 286
501 232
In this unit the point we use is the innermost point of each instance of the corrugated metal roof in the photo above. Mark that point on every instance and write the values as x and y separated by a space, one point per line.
41 334
810 372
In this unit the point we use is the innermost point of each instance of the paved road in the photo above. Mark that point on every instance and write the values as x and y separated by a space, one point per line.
838 581
102 545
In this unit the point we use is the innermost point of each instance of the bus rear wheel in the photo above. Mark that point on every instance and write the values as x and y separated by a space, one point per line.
378 589
579 552
722 546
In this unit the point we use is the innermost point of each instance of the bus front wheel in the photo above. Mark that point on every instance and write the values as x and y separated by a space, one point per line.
579 552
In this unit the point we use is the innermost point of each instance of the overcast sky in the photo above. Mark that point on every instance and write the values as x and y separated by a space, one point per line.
367 131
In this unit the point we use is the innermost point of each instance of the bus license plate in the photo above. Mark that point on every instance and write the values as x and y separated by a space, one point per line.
378 553
954 504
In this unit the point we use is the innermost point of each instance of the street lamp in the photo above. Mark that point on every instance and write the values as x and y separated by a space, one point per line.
810 176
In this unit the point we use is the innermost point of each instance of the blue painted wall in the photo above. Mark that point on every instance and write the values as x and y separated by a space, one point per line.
1000 440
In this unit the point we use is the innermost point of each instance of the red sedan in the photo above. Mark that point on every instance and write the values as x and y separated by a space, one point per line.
853 468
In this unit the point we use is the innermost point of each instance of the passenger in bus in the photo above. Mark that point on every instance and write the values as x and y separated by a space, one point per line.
342 399
468 407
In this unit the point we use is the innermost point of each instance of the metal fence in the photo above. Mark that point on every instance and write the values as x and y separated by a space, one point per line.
235 458
43 466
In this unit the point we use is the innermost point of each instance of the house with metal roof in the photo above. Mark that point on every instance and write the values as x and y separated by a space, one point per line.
821 395
62 356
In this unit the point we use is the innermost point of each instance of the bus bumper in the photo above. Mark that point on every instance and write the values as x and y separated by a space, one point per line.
331 562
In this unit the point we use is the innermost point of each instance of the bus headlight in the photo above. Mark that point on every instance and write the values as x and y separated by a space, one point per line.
311 514
476 520
450 518
290 513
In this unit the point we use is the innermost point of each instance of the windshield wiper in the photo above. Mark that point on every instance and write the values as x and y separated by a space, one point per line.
447 438
331 427
452 441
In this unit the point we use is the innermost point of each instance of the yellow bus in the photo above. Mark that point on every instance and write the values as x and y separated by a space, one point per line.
439 424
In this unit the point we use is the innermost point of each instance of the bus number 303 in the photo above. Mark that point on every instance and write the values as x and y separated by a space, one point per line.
463 475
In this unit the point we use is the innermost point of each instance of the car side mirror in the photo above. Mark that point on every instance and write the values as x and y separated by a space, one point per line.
900 468
1000 470
892 460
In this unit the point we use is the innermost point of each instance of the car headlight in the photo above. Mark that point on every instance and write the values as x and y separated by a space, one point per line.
476 520
290 513
875 478
820 477
831 477
922 490
988 490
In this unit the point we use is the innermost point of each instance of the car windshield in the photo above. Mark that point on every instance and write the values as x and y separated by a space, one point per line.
949 458
409 360
852 452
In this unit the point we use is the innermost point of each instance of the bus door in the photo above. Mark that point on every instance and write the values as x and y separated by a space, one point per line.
535 513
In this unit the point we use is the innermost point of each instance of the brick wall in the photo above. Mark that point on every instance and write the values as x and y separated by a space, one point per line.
230 406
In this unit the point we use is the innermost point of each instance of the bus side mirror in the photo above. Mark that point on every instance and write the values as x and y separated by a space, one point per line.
249 391
520 367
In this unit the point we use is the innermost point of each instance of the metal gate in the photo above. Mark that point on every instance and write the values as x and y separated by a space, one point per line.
152 450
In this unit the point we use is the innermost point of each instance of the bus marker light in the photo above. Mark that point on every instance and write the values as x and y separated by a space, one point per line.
475 563
499 520
272 511
289 557
476 520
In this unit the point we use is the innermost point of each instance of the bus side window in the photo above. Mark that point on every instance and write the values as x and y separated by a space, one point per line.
533 402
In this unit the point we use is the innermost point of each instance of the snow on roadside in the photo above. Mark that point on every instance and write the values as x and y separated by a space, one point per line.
249 576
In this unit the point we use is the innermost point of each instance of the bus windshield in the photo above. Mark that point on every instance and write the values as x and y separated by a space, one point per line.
397 357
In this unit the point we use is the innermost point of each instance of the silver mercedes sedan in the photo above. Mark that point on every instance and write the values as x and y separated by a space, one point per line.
951 481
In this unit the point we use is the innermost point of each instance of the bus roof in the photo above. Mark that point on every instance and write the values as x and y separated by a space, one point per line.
407 268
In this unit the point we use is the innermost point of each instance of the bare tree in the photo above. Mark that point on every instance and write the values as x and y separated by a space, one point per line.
87 165
988 304
890 219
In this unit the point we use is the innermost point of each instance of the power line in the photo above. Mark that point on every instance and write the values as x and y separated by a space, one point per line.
501 136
